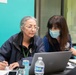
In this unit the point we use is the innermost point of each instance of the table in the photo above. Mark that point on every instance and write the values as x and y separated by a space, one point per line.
4 72
66 71
62 73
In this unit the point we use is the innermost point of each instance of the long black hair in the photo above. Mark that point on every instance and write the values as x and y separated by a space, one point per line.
59 22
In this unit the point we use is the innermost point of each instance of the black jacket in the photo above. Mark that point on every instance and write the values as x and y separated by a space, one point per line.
11 51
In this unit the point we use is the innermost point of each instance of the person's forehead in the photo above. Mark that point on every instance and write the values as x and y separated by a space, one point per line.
30 22
56 26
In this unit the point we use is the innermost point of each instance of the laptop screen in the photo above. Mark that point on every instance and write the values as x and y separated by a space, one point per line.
54 61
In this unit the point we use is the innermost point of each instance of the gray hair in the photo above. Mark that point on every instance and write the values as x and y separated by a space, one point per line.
23 21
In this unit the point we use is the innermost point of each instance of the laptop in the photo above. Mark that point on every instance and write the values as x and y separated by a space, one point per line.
54 61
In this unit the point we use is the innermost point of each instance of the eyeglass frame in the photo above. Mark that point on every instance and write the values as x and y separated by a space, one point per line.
32 27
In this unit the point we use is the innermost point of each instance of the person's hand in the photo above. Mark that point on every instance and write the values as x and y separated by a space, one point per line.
73 50
3 65
14 65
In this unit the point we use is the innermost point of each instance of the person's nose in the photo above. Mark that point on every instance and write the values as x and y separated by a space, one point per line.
33 29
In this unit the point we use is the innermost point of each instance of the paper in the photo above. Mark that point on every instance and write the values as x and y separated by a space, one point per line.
3 1
3 72
69 65
72 61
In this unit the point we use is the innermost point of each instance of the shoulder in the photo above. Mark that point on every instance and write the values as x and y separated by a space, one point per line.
13 37
70 40
37 40
45 39
46 43
9 41
36 36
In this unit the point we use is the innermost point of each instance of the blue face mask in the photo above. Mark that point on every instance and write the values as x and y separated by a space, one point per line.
54 34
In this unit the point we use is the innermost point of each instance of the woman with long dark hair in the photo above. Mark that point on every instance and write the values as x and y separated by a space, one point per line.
57 37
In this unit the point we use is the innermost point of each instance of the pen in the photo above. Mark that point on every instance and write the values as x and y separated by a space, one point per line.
6 63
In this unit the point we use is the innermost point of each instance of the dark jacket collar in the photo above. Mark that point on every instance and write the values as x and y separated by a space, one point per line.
18 40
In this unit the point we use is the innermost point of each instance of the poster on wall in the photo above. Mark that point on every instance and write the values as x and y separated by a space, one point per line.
3 1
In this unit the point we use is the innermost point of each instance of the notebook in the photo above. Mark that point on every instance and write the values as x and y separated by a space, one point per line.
54 61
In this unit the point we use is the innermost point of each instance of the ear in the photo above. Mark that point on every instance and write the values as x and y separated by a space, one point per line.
22 28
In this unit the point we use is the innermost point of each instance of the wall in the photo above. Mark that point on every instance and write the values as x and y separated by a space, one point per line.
10 16
71 18
44 10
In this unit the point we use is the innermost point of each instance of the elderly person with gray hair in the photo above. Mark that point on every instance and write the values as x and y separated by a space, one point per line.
21 45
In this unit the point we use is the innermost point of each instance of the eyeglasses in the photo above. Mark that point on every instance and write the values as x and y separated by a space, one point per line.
32 27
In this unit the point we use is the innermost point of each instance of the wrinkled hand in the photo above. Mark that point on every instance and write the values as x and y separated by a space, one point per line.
3 65
14 65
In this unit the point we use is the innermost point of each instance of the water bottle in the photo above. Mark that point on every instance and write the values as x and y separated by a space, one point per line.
39 66
26 65
21 70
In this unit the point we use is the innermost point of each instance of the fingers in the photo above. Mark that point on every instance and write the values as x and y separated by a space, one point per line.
3 65
13 65
5 62
73 50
